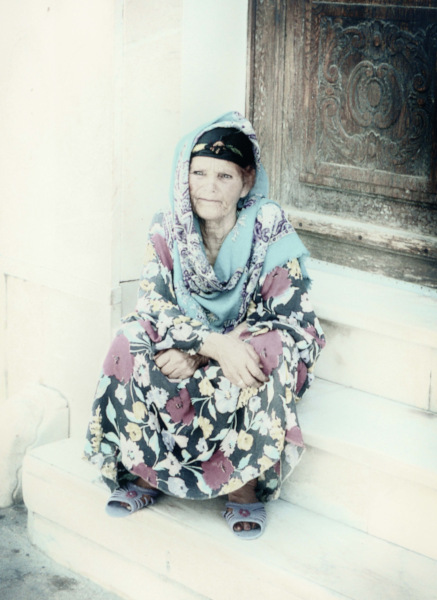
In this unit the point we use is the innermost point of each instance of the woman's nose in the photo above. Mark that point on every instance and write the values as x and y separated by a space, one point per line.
211 184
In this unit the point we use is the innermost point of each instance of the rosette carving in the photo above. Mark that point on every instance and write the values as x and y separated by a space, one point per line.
376 95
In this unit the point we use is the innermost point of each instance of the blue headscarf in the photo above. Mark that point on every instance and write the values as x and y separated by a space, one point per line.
261 239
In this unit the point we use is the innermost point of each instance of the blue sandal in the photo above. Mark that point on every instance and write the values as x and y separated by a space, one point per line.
241 513
134 495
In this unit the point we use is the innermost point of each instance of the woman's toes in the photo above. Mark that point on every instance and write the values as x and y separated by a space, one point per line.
245 526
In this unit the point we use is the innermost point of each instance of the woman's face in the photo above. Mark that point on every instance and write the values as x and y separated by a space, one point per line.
215 187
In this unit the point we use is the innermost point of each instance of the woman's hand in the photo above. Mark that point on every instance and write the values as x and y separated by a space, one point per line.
175 364
239 361
235 333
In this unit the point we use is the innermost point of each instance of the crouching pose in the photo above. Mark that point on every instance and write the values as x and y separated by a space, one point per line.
197 394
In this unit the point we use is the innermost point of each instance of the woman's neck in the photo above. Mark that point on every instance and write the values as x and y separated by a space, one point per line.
213 234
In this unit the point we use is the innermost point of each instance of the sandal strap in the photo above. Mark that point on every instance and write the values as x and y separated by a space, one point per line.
240 513
135 496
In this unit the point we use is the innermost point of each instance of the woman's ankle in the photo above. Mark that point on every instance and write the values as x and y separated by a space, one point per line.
246 494
140 482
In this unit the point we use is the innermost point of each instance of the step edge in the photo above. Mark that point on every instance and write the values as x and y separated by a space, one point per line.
302 511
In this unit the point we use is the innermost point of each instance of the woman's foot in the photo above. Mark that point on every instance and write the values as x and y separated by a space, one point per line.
145 497
245 495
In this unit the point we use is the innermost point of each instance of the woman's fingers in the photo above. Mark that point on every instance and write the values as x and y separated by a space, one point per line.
257 373
161 358
175 364
246 374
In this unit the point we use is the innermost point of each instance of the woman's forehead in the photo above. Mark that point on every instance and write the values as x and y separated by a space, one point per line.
214 164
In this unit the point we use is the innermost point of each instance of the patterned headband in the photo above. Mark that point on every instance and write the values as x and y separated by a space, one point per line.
227 144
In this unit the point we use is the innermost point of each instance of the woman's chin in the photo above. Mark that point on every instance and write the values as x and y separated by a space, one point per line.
210 211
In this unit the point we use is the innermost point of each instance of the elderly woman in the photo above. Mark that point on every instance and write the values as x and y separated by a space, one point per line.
198 390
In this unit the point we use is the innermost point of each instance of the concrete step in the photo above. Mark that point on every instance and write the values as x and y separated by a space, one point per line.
370 463
184 549
382 334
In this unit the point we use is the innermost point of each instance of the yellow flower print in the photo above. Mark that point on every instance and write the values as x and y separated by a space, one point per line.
181 319
294 269
150 253
147 286
205 387
244 440
280 444
265 463
276 430
158 305
134 432
232 485
96 430
205 426
109 471
245 395
251 309
139 409
288 395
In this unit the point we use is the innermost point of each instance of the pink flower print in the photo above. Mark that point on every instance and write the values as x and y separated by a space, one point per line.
151 331
180 408
146 473
163 251
119 361
244 512
217 470
302 373
275 283
269 348
312 331
294 435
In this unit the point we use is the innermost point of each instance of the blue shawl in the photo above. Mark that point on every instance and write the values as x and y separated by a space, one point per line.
261 239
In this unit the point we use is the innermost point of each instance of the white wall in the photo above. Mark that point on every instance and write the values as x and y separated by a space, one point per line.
94 95
214 49
58 184
184 63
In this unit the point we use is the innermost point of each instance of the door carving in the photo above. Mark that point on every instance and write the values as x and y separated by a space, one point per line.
344 99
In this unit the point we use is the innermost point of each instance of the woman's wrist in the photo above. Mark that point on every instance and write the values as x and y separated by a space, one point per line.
211 346
235 333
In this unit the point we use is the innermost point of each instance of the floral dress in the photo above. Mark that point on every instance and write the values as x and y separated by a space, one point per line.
202 437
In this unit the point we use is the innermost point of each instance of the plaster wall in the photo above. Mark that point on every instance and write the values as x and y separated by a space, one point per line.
184 63
94 96
59 181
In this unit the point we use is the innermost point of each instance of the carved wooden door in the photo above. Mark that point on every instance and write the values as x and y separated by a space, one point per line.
343 96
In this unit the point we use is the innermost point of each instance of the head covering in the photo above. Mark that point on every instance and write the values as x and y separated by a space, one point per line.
261 239
226 143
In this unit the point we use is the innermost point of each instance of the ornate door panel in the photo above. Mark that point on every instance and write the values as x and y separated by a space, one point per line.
344 100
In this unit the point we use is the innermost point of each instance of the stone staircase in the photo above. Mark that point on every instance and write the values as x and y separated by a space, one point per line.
358 518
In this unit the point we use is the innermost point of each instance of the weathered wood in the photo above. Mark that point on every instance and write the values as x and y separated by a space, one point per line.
390 264
372 99
364 234
343 97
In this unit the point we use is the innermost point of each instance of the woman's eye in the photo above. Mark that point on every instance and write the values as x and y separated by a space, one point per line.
225 176
196 173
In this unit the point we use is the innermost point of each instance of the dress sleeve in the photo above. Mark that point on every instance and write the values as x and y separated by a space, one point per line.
156 308
282 302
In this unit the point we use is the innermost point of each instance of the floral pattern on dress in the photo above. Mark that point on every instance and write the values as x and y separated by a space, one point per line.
203 436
